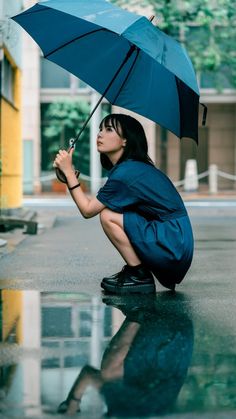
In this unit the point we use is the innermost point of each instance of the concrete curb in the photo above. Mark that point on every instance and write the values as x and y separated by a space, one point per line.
14 237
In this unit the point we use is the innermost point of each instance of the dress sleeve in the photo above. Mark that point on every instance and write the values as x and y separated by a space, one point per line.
116 195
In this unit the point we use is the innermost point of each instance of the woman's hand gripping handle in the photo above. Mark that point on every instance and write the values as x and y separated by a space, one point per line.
63 164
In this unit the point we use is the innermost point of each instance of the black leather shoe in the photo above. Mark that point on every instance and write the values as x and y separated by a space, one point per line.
132 279
113 278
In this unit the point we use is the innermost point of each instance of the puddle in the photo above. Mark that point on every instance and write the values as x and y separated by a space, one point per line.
120 356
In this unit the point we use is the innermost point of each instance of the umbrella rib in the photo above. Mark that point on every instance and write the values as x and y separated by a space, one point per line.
73 40
128 55
127 75
32 12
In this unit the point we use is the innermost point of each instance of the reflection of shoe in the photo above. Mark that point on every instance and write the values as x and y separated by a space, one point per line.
132 279
62 408
130 302
134 307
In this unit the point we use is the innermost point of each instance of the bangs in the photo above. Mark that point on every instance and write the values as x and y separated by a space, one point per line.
132 131
112 120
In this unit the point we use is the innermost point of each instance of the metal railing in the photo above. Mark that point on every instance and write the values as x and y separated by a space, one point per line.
213 173
191 177
52 176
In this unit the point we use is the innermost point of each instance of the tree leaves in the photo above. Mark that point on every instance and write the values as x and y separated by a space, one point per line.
64 119
207 28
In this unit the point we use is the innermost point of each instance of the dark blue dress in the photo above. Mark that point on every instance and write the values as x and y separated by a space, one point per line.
155 218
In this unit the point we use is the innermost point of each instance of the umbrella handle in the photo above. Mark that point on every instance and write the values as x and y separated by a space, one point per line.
62 178
59 174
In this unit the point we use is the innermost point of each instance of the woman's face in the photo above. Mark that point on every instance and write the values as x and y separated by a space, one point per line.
109 141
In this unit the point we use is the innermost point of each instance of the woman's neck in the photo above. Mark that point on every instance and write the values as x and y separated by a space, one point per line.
114 157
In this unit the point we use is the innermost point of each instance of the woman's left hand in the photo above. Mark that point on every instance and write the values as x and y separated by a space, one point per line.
63 161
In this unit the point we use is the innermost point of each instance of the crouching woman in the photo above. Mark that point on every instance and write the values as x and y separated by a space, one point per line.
140 210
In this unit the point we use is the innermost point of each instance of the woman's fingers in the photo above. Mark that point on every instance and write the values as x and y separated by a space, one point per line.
63 160
62 153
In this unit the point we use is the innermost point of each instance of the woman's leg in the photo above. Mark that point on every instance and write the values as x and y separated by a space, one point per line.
134 278
112 224
112 365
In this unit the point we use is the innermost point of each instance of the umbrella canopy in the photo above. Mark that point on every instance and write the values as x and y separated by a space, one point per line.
121 55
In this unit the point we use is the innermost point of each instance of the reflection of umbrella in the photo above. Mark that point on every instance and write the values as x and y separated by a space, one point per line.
121 55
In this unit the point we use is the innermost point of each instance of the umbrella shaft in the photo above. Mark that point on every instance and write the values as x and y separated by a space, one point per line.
128 55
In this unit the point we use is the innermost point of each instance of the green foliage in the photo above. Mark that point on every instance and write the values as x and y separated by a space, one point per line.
207 28
63 120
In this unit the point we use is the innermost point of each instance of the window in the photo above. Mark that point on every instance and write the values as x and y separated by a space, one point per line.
53 76
7 80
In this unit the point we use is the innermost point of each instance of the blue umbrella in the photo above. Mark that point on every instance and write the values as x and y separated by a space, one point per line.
123 56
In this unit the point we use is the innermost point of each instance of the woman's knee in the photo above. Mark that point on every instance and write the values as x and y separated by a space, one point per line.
104 215
108 217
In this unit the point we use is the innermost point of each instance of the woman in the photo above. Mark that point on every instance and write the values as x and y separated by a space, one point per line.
140 210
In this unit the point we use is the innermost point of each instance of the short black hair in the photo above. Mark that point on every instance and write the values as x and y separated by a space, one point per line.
136 141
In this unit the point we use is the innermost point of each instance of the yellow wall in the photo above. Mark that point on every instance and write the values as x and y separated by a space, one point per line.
11 149
12 314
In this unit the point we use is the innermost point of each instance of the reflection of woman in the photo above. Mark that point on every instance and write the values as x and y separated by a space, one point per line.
140 210
146 362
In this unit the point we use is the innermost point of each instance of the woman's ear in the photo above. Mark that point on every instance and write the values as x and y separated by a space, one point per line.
124 142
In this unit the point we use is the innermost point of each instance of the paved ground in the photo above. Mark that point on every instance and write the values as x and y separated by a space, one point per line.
70 255
75 253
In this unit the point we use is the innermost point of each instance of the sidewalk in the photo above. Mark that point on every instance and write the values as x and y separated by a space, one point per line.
46 219
221 195
77 252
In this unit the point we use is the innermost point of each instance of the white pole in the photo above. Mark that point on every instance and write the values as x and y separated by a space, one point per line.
95 165
96 332
32 342
190 177
213 184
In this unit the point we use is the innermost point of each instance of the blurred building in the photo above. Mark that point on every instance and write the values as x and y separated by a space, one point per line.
31 112
44 82
217 140
10 107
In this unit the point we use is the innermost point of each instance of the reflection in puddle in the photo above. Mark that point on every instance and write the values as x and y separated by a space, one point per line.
144 366
123 356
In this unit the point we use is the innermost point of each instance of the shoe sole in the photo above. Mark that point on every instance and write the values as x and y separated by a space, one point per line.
106 282
137 289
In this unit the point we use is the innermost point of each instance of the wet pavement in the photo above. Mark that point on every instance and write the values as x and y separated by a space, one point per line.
171 354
